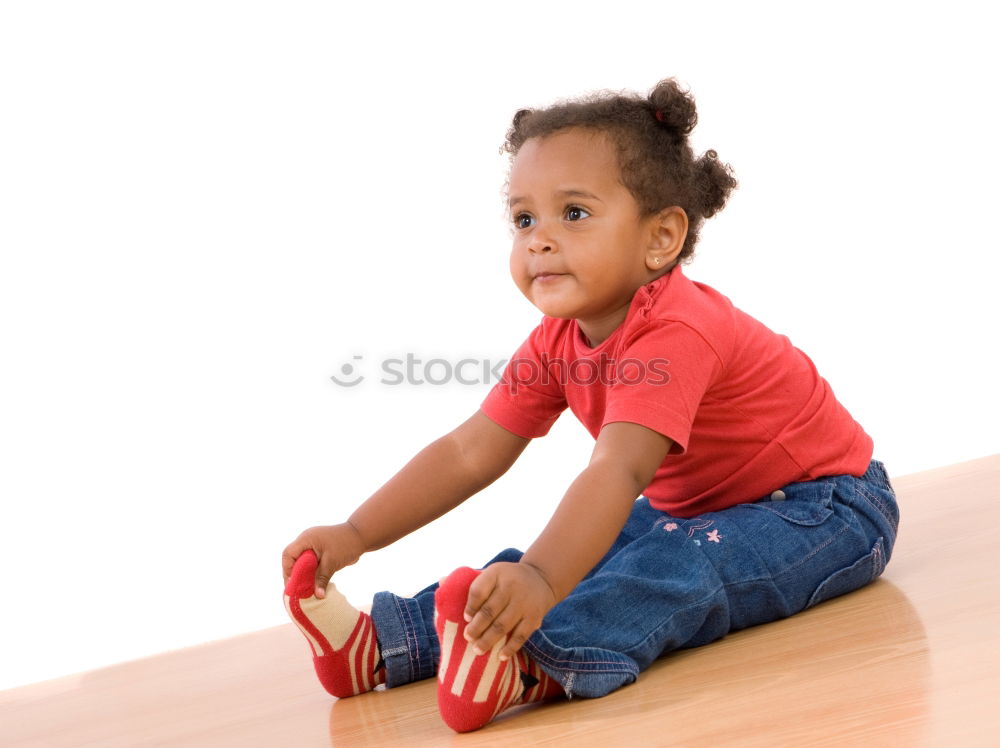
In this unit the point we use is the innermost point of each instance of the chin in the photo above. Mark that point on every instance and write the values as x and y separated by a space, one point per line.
550 310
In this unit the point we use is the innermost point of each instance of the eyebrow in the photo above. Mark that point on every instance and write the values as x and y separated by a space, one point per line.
562 193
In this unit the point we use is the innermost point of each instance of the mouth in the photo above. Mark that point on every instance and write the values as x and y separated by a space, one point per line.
547 276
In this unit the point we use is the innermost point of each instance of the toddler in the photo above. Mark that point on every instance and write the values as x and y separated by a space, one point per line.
727 486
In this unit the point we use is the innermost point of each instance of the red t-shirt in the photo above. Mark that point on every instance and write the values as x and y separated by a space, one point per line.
746 410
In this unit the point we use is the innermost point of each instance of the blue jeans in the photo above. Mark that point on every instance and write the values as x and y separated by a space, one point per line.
669 583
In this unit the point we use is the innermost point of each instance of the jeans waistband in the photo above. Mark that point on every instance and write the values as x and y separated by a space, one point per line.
876 474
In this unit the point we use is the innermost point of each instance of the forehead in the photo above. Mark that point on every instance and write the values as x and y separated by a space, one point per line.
571 158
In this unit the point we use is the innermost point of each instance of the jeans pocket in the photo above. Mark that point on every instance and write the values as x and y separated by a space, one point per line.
857 575
807 515
806 504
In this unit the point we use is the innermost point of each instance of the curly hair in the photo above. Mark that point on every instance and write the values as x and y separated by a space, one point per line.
650 135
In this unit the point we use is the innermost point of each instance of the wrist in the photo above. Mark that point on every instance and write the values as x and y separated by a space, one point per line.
361 544
545 582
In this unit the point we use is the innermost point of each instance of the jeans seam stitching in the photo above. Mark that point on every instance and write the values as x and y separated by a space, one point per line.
407 621
878 505
552 662
874 500
816 550
720 588
877 473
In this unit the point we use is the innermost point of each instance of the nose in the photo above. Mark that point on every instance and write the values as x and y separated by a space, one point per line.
540 241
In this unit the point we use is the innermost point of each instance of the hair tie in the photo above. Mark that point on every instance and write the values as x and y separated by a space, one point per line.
659 115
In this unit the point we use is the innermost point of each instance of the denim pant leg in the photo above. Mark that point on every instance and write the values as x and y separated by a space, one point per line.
405 625
406 634
686 582
669 583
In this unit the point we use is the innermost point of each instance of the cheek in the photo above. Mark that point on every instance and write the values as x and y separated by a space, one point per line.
516 265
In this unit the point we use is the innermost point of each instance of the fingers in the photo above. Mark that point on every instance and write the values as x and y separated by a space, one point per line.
491 617
509 626
323 573
517 638
488 632
290 555
506 603
479 592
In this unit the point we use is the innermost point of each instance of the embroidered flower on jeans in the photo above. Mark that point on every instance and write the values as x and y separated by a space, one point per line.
670 526
714 536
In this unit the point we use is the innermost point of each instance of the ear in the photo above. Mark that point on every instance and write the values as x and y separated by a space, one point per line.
668 230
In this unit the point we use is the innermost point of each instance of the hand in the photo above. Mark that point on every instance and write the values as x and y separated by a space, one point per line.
336 546
506 600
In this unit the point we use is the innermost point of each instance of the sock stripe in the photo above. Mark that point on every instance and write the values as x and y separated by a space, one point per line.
473 689
458 685
486 680
547 686
532 693
352 654
342 639
529 667
366 666
447 647
508 690
313 634
309 637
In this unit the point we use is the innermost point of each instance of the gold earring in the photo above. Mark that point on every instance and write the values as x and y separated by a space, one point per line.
657 260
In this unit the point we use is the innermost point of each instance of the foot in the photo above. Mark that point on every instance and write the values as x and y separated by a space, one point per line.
345 648
473 689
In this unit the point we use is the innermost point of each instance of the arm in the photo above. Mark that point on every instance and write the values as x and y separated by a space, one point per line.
440 477
513 598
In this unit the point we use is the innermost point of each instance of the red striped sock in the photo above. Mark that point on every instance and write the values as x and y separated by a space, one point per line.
345 648
473 689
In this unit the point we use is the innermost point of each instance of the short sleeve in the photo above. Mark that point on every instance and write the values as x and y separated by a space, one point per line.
661 377
526 400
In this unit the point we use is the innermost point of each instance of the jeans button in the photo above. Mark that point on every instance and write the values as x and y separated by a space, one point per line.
778 496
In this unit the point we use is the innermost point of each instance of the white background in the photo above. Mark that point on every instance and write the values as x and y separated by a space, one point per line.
207 208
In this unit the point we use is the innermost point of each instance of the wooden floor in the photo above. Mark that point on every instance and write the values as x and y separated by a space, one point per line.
914 659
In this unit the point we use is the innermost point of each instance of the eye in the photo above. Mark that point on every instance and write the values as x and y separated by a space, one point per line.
522 220
576 213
